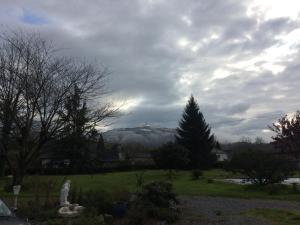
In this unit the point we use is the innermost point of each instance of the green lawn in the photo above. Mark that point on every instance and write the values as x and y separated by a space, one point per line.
183 184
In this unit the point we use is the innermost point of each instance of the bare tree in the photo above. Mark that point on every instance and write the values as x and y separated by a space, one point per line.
34 83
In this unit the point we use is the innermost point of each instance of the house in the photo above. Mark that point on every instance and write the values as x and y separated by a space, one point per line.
221 155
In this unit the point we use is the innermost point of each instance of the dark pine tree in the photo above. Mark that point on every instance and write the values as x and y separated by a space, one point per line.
195 135
78 132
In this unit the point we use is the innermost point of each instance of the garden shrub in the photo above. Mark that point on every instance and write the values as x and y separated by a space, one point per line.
171 157
37 183
73 196
36 210
270 189
121 195
137 214
42 205
261 167
295 189
274 189
76 194
79 196
55 221
159 194
209 181
7 187
120 199
140 179
89 220
97 200
108 219
156 200
164 214
196 174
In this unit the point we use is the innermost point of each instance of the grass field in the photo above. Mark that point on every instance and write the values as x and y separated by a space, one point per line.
183 184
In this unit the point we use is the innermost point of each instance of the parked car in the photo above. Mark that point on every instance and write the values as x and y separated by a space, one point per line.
7 217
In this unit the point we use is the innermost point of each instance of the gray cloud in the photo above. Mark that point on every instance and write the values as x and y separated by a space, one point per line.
161 52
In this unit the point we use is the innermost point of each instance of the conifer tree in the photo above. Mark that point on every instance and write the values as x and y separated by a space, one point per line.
78 131
195 135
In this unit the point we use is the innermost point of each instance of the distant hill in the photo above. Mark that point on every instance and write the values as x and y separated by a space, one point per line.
147 136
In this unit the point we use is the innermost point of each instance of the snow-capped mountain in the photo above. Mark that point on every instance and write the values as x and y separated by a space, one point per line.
146 135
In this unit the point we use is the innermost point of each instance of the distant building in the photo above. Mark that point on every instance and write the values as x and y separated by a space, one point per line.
221 155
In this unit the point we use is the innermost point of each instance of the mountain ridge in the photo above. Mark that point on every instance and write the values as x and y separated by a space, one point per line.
147 136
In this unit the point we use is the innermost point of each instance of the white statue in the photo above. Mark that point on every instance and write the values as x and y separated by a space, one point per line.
67 209
64 192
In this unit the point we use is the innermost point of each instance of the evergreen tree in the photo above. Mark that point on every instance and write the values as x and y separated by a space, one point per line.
79 131
195 135
101 149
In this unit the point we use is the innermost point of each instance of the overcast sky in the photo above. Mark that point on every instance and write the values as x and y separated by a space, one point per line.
240 59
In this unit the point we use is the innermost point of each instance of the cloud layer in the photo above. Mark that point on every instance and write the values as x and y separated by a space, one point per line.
240 59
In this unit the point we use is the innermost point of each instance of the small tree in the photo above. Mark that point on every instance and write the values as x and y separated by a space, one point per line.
195 135
171 157
261 167
79 132
287 136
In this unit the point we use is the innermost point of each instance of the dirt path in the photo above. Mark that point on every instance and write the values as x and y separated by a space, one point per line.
227 211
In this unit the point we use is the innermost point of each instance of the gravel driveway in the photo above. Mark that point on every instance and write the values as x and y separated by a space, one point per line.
227 211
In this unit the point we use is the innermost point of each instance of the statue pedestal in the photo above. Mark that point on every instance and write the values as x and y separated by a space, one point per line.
70 211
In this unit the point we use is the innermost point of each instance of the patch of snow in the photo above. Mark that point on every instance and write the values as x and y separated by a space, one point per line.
146 135
288 181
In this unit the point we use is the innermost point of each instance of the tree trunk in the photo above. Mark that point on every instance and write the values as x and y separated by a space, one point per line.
2 166
170 174
18 177
298 167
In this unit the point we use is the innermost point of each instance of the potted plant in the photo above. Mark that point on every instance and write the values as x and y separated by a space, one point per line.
120 205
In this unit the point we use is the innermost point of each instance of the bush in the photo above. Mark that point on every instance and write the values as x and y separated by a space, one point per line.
295 189
120 203
42 205
159 194
35 210
196 174
137 214
270 189
99 201
171 157
89 220
56 221
209 181
140 180
157 200
121 195
274 189
261 167
7 187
